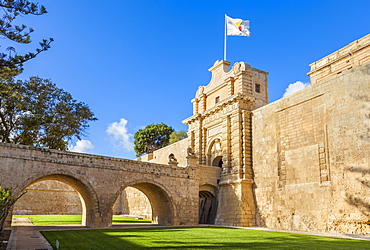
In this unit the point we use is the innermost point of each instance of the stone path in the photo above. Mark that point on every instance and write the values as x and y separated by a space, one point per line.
25 237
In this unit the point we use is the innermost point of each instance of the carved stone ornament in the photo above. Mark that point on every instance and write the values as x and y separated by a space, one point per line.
172 159
236 68
216 148
200 91
240 66
190 151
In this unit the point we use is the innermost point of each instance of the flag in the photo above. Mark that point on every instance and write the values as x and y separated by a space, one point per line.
237 27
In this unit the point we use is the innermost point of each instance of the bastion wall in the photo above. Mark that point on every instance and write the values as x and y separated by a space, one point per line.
311 157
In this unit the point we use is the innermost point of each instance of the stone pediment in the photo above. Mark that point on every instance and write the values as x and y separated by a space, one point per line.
220 72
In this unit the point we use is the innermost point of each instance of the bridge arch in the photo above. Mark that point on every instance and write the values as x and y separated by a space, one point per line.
163 209
88 197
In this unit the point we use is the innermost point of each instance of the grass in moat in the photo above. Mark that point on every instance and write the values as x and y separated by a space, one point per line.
73 219
194 238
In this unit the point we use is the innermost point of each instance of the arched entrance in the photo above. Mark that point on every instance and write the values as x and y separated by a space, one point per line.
88 200
214 153
207 207
217 162
160 202
133 203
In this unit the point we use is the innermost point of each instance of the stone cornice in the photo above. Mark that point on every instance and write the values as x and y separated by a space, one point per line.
340 54
234 98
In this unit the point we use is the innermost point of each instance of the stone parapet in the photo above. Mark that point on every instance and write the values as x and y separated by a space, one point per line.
352 55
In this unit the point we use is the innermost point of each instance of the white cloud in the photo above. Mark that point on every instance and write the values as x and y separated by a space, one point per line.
82 146
294 87
120 136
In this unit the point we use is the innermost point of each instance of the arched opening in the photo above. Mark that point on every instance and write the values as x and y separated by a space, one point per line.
57 194
132 203
160 203
49 197
217 162
207 207
214 153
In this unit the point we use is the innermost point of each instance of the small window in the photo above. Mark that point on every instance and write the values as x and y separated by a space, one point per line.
258 88
217 99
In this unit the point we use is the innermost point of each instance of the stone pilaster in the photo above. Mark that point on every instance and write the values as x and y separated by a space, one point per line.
236 145
226 139
195 102
247 145
230 86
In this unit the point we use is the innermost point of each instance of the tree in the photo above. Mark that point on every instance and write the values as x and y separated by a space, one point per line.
6 202
35 112
151 138
12 64
177 136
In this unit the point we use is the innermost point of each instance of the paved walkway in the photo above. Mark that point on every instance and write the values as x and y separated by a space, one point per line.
26 236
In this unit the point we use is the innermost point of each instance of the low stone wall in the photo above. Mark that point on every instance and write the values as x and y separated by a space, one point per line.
179 149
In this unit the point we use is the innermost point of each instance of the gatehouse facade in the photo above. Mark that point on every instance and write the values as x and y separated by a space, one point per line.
299 163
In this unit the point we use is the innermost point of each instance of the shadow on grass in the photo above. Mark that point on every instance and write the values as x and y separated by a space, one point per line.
194 238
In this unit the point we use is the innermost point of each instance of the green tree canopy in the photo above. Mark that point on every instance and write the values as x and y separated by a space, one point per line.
37 113
177 136
11 63
151 138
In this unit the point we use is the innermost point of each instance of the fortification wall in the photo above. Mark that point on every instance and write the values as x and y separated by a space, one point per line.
354 54
311 157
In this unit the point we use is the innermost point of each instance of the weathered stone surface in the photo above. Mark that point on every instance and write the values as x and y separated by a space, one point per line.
348 57
172 191
311 154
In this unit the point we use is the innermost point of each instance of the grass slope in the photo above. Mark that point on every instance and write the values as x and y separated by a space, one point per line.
194 238
72 219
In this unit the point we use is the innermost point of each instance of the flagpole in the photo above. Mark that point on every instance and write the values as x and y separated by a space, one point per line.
225 40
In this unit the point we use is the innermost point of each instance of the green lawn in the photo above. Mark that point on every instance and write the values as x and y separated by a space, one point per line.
72 219
194 238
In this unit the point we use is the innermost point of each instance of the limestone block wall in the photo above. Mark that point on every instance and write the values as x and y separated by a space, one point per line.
133 202
209 175
49 197
161 155
311 157
352 55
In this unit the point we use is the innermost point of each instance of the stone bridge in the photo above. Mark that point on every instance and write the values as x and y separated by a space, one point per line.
173 191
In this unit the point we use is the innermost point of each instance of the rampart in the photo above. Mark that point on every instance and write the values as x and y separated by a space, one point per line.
311 157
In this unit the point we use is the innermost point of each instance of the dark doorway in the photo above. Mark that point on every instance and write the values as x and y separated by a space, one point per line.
207 208
217 162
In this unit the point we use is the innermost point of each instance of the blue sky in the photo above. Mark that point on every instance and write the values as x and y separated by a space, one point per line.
140 62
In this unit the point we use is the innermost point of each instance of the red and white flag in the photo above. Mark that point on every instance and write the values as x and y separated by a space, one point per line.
237 27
